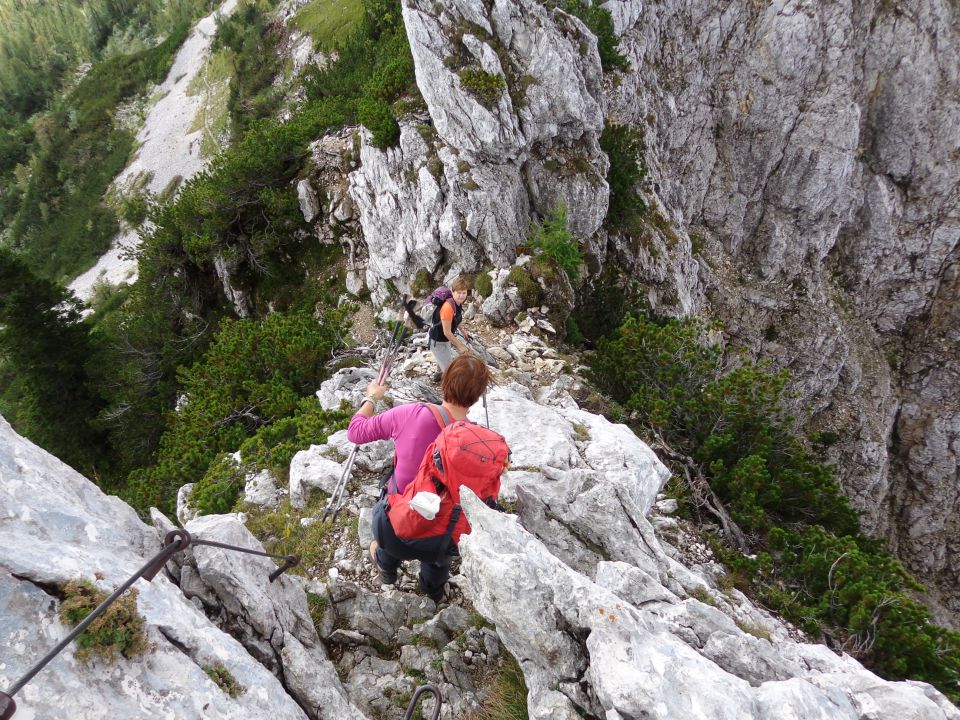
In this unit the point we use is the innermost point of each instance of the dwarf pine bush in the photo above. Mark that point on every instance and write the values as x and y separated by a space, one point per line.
552 240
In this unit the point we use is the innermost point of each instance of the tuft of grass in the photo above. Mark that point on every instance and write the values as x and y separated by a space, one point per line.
118 631
581 432
758 632
508 694
317 604
329 22
485 87
703 596
224 679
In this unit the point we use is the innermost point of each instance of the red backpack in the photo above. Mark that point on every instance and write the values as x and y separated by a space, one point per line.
464 453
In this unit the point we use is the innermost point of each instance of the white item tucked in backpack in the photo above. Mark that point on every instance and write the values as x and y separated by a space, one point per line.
426 504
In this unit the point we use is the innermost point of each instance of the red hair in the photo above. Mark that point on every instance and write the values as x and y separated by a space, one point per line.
465 380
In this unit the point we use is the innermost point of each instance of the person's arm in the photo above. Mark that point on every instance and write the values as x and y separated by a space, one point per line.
375 391
364 425
446 322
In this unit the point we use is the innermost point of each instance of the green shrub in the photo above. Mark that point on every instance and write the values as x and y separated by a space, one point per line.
552 239
391 80
623 146
531 294
119 631
254 373
134 208
271 448
572 333
486 87
603 301
219 488
483 285
598 19
375 115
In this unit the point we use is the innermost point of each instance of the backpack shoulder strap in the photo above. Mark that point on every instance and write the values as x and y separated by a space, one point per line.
441 415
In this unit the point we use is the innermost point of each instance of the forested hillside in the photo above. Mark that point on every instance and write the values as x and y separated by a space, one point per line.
65 68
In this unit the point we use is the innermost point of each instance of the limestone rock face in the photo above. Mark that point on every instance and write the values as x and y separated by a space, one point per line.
807 155
270 619
465 182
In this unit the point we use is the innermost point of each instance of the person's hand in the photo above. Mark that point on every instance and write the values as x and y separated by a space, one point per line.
466 334
375 389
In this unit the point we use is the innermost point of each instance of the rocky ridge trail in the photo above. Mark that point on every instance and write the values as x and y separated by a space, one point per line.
576 583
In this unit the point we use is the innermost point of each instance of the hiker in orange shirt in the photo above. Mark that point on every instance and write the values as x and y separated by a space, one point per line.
446 320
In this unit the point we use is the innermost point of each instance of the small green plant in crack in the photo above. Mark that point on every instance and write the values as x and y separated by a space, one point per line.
758 632
505 696
224 679
479 621
581 432
486 87
414 674
317 605
118 631
704 596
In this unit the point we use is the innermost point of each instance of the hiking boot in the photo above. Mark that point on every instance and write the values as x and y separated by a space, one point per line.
439 596
386 578
438 376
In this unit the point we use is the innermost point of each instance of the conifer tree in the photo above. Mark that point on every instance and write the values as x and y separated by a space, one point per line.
46 346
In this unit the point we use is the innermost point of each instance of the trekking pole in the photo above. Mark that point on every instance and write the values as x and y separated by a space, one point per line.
485 411
335 503
173 542
336 497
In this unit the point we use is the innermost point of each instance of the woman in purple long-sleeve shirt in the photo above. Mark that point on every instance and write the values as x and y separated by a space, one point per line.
413 427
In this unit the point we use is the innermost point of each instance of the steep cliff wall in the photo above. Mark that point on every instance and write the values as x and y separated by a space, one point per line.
813 150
